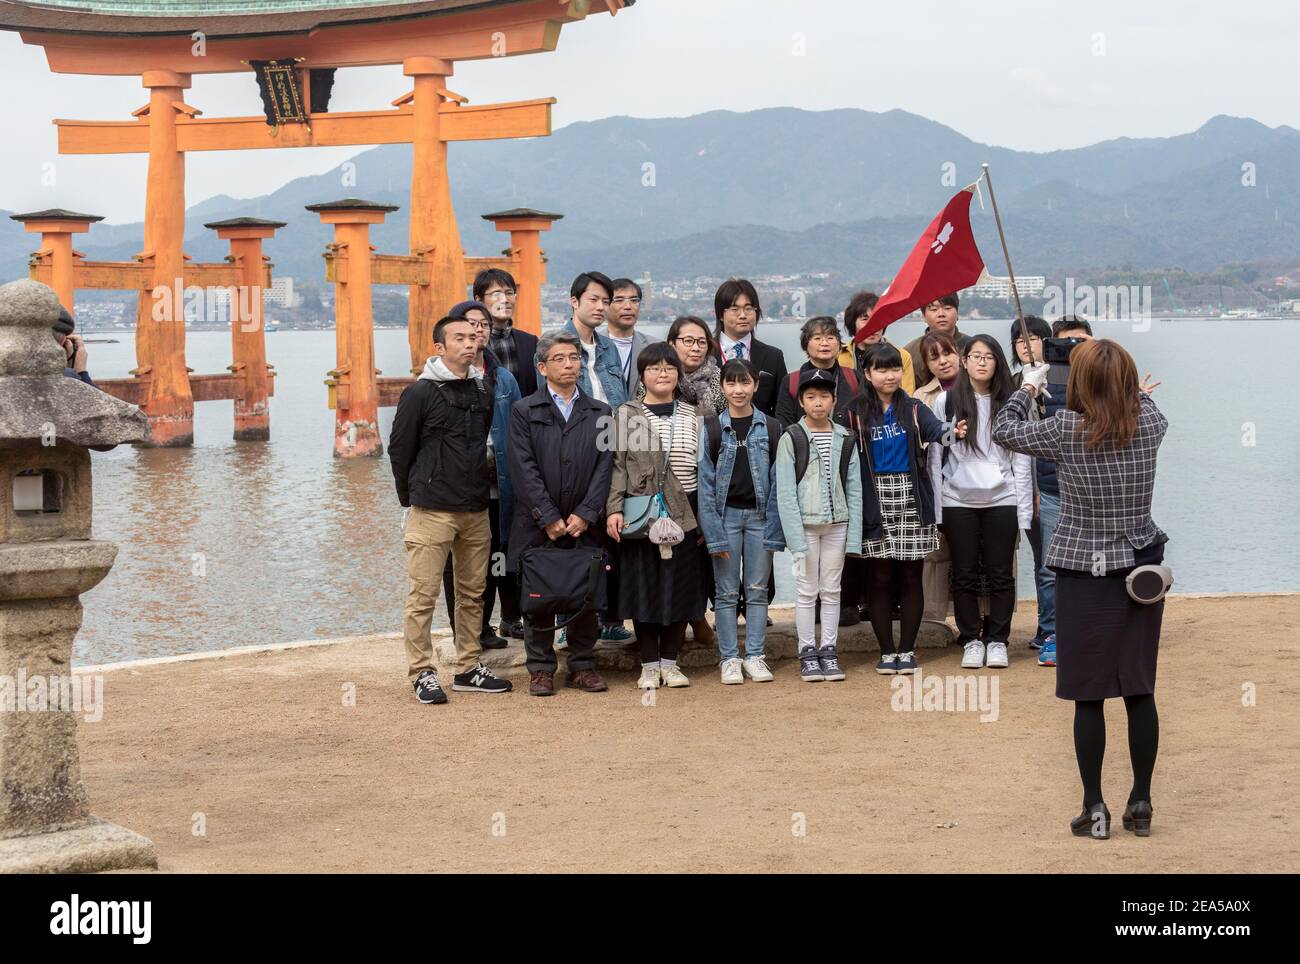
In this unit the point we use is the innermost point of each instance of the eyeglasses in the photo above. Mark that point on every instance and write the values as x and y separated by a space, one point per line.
499 295
741 310
979 358
661 370
479 324
626 301
564 359
692 342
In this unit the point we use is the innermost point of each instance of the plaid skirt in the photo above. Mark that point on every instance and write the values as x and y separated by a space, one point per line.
905 538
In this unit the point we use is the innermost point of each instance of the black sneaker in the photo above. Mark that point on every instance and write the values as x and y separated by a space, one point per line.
830 663
491 640
480 679
512 630
427 689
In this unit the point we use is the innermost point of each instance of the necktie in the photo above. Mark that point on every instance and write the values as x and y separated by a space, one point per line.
738 350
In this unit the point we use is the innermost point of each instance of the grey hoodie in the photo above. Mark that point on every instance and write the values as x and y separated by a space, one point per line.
436 370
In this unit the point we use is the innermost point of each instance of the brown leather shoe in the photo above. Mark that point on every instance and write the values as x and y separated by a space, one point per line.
703 632
587 680
541 683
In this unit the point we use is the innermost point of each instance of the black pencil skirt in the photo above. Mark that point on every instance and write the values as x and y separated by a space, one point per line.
1106 644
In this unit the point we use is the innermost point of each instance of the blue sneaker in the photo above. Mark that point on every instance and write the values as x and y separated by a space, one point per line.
906 663
1047 654
888 664
810 667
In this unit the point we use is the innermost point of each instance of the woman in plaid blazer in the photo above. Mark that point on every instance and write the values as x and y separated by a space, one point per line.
1104 444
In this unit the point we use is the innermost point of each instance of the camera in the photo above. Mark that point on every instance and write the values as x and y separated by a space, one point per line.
1056 353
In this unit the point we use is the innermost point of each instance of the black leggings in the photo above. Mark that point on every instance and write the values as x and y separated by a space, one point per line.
658 641
1090 744
880 585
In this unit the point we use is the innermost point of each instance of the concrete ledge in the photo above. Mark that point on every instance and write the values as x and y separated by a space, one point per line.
782 643
98 846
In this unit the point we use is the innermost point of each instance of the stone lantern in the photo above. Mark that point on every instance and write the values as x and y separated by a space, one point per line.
47 560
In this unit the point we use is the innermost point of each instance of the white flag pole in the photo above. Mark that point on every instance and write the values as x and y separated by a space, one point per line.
1011 275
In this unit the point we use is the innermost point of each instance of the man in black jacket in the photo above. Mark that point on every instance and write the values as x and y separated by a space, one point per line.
738 312
560 468
513 348
438 449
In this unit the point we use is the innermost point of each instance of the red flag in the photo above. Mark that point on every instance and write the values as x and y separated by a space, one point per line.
944 260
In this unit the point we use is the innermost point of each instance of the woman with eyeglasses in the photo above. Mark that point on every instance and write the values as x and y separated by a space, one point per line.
701 382
660 587
983 496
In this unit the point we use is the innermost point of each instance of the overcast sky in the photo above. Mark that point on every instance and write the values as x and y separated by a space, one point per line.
1029 75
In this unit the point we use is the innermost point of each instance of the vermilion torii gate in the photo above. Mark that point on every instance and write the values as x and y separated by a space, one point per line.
166 42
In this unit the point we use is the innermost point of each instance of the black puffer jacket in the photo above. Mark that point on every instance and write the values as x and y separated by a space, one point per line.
438 446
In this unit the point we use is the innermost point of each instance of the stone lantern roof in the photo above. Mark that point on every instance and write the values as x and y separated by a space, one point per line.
34 392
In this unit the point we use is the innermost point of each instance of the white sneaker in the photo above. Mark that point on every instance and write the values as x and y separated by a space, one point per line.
731 671
673 676
756 668
649 678
997 656
974 657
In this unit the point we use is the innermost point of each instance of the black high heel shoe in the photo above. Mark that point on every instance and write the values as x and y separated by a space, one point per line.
1137 817
1094 821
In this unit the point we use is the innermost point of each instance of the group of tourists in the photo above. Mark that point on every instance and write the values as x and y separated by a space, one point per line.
897 478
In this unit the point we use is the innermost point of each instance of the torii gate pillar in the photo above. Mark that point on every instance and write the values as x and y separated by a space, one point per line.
247 333
525 226
56 228
160 317
434 234
354 390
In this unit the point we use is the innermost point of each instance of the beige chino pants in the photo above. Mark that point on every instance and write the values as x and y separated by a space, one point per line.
430 535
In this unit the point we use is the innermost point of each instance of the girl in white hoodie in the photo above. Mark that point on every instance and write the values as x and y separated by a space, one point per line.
983 496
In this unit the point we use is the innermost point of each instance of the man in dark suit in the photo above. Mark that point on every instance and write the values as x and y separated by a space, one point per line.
738 312
514 349
560 472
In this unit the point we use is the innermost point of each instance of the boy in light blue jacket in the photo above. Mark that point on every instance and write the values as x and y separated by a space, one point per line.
819 498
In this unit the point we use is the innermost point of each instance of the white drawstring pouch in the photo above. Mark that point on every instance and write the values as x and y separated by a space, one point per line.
665 533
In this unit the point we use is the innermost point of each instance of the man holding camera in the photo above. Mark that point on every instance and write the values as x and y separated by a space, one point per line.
73 347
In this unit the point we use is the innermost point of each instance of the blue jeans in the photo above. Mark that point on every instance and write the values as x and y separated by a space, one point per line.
1049 514
744 531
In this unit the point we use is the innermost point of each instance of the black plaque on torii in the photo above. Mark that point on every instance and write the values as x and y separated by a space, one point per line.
282 102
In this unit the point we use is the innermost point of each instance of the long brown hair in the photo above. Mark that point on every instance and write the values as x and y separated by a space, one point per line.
1103 388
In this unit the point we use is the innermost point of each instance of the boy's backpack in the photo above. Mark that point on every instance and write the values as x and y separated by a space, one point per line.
799 439
713 426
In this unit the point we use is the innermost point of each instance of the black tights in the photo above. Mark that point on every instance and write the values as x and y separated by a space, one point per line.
1090 744
658 641
880 582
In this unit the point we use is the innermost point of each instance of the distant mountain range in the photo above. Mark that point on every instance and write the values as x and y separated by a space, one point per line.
784 190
